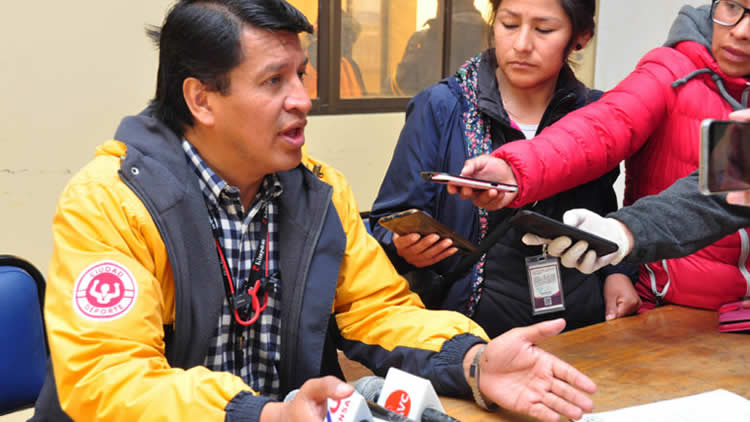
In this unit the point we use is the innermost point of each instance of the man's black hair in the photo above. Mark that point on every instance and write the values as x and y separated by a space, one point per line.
202 39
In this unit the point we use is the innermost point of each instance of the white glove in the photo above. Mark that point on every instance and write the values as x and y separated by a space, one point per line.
579 256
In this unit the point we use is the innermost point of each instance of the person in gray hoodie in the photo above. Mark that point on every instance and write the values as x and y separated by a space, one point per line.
653 228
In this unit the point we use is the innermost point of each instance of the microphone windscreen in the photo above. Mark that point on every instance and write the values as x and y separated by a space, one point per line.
370 387
290 395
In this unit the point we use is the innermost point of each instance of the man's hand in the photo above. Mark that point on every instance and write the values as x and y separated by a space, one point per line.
519 376
620 297
486 167
310 403
579 256
423 251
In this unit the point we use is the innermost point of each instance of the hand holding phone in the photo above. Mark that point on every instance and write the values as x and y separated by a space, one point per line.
452 179
549 228
563 239
417 221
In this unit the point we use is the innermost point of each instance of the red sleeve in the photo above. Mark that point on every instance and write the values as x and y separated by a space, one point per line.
592 140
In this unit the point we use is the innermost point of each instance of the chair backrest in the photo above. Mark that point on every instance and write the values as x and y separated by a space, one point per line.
23 352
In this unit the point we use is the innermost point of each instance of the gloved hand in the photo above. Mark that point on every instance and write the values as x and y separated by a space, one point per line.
578 255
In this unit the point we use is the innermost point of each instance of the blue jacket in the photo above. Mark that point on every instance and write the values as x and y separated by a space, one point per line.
433 140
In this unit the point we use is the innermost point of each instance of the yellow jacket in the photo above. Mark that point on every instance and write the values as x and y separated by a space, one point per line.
108 348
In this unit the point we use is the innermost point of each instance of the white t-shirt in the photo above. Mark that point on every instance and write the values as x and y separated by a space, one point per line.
529 131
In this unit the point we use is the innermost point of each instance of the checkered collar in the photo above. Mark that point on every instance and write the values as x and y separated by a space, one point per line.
218 191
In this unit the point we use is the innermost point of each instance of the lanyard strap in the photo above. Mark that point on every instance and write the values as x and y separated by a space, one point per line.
244 300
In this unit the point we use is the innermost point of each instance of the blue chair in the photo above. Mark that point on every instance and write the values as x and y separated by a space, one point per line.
24 352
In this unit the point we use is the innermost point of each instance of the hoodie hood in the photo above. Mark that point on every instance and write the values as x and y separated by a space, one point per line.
692 24
692 35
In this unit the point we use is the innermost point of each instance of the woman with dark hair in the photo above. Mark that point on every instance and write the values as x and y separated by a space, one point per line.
652 120
504 95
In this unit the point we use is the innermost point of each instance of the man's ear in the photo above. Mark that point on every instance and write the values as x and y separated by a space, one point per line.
196 97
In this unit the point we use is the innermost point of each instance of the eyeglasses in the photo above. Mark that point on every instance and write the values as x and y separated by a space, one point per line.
728 12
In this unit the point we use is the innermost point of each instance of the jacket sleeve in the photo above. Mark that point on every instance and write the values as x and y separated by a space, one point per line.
419 148
382 322
659 222
114 368
592 140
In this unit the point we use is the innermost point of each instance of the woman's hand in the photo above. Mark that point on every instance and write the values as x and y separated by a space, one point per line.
423 251
490 168
620 297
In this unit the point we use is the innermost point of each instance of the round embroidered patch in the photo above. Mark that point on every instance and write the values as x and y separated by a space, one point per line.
104 291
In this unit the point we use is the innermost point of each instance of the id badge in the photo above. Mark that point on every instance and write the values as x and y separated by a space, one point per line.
545 284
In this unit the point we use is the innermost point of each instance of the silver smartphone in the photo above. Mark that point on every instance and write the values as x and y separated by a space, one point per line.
453 179
724 156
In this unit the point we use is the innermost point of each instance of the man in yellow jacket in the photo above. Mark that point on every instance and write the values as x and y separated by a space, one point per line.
201 270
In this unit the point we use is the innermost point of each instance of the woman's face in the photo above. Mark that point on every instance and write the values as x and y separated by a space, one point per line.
731 45
531 37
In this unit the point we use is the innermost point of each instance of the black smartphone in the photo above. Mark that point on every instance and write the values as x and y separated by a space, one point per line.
541 225
452 179
724 156
417 221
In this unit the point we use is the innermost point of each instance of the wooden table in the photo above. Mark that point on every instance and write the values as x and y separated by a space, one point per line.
665 353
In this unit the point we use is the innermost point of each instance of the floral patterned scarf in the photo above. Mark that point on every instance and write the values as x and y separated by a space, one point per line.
477 135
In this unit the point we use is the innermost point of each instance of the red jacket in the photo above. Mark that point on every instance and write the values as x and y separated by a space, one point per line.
655 126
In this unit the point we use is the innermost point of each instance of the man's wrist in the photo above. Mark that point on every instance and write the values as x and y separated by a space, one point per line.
627 239
474 380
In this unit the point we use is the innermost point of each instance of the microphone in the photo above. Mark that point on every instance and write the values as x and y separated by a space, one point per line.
351 409
404 394
370 387
355 408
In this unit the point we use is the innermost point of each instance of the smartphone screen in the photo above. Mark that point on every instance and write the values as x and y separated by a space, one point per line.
724 156
452 179
416 221
541 225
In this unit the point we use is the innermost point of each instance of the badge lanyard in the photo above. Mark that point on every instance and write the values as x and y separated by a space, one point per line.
247 296
545 283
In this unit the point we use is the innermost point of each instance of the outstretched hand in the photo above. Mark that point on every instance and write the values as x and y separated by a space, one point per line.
487 167
519 376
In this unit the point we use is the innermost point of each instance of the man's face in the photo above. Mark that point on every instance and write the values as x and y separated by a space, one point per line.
259 124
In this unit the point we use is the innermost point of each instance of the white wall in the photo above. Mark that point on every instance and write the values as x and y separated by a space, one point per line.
627 29
68 76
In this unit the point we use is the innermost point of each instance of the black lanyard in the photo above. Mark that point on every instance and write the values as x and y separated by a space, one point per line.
244 302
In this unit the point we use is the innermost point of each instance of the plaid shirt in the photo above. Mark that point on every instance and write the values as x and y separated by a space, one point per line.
258 345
